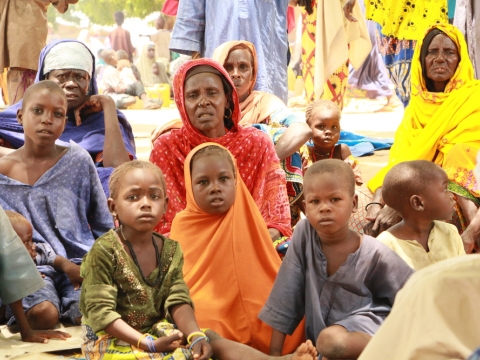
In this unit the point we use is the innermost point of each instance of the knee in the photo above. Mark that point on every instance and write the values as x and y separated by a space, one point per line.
331 343
43 316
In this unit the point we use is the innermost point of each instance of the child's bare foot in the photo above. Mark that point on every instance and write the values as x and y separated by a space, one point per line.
306 351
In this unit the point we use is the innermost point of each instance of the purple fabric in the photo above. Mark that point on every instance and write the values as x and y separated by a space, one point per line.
372 76
90 135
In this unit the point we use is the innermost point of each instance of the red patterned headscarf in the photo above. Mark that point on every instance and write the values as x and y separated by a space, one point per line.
257 161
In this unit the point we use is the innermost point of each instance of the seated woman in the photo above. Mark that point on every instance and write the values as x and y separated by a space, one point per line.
93 122
208 105
442 125
286 130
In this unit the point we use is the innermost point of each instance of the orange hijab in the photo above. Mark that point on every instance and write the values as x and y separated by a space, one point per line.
259 105
230 264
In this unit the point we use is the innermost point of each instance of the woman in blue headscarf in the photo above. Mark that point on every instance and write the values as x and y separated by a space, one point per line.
93 121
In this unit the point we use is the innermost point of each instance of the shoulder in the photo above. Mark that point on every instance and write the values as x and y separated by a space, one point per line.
303 233
445 227
78 152
344 151
9 162
103 249
374 248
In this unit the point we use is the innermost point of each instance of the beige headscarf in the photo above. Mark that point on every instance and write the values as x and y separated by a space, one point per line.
259 105
144 65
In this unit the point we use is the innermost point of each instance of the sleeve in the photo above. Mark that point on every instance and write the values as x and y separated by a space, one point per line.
285 306
99 217
45 254
99 293
179 293
19 276
389 272
457 241
189 30
271 194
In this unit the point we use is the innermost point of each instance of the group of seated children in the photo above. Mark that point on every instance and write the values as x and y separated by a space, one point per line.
138 298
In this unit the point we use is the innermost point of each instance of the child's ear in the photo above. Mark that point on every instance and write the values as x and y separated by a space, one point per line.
355 203
20 116
417 203
112 206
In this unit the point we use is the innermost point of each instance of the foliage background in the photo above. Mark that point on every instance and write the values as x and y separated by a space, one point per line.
101 11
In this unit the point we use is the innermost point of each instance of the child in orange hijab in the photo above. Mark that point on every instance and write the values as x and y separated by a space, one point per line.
230 264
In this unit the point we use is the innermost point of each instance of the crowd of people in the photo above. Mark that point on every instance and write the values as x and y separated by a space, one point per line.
246 235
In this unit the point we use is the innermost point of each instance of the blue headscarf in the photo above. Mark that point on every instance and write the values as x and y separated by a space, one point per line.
90 135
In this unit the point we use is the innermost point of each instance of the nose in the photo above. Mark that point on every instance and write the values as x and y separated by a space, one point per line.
47 117
234 73
440 57
145 203
203 101
214 188
324 207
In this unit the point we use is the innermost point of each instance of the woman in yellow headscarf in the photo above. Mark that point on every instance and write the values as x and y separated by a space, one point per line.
441 124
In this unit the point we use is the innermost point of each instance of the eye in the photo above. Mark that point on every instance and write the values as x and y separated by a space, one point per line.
132 197
224 178
155 196
212 92
192 96
315 201
334 127
37 110
202 182
59 114
335 199
244 67
228 68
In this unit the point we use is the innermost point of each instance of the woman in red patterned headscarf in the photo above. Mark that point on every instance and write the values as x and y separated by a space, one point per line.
210 112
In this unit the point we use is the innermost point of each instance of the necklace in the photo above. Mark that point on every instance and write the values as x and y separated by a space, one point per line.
329 154
157 280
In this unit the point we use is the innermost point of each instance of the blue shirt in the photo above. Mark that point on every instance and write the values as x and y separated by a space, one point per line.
66 206
202 25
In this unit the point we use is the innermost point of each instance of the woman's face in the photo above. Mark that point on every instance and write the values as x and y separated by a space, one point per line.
74 83
441 61
151 52
205 102
239 67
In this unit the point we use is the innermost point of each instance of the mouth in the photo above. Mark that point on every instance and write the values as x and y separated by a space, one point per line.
45 132
204 116
325 221
440 70
71 96
217 202
146 217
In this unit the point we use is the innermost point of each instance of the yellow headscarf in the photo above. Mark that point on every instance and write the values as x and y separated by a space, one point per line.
434 124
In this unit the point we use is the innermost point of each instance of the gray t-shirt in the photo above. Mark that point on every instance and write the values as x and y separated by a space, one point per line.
358 296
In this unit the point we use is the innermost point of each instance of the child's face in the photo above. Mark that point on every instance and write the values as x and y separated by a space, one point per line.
155 68
439 202
24 232
43 117
213 184
141 200
328 204
325 125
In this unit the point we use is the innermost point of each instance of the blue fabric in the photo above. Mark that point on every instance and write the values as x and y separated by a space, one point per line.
202 25
360 145
475 355
58 290
90 135
66 206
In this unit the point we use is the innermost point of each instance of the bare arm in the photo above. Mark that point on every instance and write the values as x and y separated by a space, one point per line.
184 318
114 150
345 151
276 343
292 140
124 332
472 215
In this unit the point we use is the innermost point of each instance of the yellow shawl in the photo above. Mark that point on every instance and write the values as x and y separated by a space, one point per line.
440 126
259 105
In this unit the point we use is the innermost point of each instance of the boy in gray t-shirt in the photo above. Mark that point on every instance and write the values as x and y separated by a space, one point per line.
342 282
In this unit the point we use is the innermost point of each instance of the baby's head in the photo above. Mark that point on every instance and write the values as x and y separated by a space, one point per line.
24 230
155 68
418 188
138 195
110 57
329 195
122 55
44 111
213 179
323 117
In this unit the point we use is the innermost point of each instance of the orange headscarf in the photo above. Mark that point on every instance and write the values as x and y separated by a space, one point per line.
259 105
230 264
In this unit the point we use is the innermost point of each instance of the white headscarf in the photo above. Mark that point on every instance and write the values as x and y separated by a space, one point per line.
68 55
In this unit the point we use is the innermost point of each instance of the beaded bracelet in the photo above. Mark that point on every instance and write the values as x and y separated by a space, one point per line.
141 338
195 333
373 203
151 344
197 340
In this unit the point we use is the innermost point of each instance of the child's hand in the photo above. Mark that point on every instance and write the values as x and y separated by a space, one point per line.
42 275
202 350
169 343
42 336
72 271
94 104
